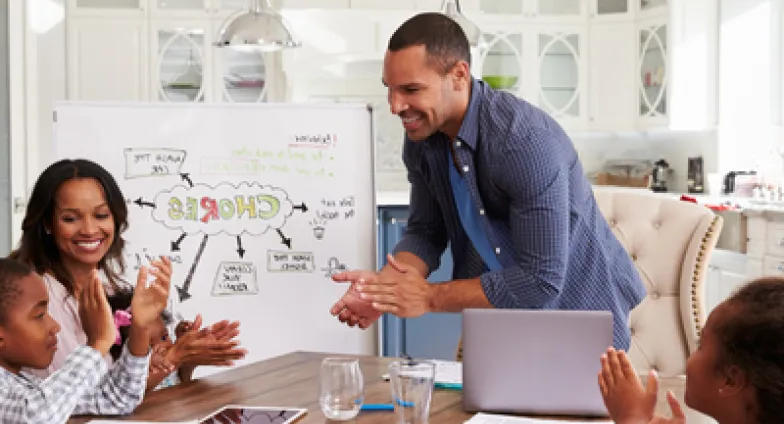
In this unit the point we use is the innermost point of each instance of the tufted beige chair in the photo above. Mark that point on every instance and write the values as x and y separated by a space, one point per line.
670 242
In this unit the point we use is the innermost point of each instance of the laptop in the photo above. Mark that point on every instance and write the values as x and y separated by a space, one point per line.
542 362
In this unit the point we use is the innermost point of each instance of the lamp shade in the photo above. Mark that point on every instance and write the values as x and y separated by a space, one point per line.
451 8
262 29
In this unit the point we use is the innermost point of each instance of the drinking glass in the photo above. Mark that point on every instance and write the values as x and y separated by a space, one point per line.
411 383
342 388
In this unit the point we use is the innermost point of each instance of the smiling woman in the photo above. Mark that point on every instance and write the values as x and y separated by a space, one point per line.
73 224
72 228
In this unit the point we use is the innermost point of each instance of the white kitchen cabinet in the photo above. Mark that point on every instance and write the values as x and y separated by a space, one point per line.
408 5
107 59
166 55
693 71
315 4
611 73
106 8
188 68
558 54
515 9
333 42
727 271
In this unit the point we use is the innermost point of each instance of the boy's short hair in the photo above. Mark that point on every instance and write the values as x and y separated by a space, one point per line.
11 272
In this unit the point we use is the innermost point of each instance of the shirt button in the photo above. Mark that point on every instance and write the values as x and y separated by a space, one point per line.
457 144
497 250
481 211
465 168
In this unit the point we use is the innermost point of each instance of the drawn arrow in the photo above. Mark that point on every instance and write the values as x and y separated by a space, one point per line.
302 207
186 177
175 245
283 239
143 203
240 250
183 291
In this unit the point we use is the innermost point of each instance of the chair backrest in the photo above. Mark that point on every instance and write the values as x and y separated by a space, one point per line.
670 242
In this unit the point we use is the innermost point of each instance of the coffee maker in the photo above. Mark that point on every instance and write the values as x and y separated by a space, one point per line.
659 176
695 176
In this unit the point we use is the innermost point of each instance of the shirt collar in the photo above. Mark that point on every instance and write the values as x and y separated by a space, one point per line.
469 129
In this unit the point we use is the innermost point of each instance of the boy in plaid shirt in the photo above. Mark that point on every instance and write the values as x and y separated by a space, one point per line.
28 339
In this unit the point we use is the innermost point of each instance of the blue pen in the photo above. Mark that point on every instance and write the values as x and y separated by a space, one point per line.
377 407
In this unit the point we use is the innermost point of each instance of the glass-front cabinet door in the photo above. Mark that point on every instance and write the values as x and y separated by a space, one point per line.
557 8
501 61
243 75
233 5
652 77
651 5
611 8
179 73
559 73
503 7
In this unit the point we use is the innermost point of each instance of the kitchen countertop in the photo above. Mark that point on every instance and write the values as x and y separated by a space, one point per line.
742 204
392 198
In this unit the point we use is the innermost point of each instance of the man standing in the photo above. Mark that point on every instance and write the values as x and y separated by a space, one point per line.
498 179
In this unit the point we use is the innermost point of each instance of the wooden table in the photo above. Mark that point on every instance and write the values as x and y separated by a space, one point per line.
288 380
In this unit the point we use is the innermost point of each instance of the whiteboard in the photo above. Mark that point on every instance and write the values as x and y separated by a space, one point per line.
256 205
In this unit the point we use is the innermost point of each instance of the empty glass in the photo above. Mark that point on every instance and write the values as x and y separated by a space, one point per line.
342 389
411 383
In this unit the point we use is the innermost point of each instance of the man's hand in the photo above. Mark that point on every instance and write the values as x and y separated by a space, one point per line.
351 309
399 289
96 316
148 302
625 398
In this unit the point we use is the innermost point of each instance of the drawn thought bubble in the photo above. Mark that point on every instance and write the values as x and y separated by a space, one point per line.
225 208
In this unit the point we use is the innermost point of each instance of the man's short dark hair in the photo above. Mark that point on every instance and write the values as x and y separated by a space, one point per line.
11 272
444 40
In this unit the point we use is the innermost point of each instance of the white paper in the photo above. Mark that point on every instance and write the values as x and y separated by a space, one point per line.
482 418
449 372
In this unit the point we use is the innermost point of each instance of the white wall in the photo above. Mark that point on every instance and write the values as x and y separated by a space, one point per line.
5 147
47 78
750 85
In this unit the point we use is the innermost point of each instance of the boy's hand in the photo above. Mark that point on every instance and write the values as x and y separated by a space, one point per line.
96 316
148 302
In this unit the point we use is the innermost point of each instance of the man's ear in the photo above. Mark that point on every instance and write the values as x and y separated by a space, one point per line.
461 73
2 337
735 381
